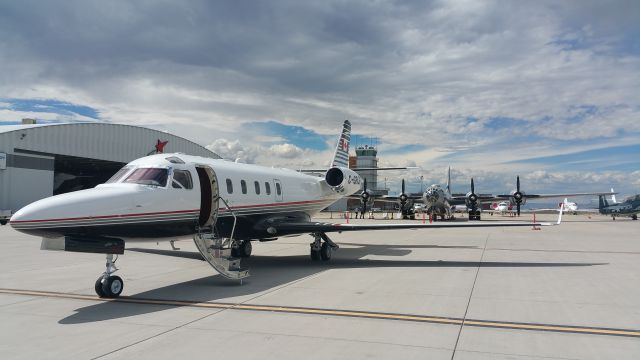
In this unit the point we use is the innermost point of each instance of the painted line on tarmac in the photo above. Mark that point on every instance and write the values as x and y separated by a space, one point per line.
345 313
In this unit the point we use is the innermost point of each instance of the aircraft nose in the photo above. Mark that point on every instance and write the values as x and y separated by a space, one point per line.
70 210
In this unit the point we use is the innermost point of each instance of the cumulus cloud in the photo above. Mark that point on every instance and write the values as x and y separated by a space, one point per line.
285 155
287 151
234 150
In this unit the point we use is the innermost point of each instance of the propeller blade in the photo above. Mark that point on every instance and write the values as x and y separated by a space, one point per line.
365 184
518 183
472 187
518 208
403 186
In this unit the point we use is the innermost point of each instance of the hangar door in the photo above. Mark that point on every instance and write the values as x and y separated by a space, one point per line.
73 173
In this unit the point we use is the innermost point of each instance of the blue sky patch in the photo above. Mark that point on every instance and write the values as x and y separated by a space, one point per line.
296 135
51 106
403 149
620 158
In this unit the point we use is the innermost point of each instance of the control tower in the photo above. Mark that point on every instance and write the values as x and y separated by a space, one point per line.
367 157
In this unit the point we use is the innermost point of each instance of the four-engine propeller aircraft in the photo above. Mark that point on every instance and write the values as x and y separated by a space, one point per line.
223 205
440 202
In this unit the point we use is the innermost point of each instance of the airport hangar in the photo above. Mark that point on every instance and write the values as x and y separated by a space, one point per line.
40 160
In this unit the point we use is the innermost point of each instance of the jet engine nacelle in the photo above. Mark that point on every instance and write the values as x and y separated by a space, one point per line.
343 180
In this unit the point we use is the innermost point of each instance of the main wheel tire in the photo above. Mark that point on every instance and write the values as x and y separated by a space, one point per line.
325 252
245 249
112 286
315 255
3 222
634 217
98 288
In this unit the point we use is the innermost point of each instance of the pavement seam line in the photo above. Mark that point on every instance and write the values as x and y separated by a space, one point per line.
337 312
473 286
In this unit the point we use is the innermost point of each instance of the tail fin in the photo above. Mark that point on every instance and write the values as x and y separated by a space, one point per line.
341 157
602 202
449 180
613 197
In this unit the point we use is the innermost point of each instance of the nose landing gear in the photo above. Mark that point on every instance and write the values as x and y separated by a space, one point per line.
108 285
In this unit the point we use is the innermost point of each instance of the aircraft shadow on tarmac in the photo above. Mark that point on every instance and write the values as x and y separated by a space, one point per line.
268 272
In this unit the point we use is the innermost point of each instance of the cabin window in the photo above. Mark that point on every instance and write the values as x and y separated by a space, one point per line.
229 186
182 179
148 176
257 186
243 185
119 175
278 190
267 187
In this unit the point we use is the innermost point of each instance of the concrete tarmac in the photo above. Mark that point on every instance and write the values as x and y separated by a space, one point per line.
564 292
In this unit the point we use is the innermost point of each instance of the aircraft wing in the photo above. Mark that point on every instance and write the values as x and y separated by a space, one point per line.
288 228
318 171
373 199
548 196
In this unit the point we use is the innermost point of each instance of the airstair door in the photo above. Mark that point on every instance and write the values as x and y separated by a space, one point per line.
209 196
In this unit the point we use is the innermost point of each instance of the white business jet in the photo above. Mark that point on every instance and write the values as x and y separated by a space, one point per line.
223 205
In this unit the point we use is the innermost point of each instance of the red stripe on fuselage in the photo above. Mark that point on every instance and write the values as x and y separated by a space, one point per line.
165 212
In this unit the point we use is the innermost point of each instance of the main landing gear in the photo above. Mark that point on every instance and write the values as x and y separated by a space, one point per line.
241 249
108 285
322 247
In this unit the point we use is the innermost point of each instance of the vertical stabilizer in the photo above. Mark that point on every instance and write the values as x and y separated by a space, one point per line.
602 202
449 180
613 197
341 157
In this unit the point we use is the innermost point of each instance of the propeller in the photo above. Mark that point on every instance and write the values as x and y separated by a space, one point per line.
403 197
518 196
472 197
365 196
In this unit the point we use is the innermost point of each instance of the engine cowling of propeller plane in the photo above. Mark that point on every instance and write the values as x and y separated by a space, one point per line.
517 195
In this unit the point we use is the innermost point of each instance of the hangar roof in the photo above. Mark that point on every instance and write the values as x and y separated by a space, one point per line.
103 141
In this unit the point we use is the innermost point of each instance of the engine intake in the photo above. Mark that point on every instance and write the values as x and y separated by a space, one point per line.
343 180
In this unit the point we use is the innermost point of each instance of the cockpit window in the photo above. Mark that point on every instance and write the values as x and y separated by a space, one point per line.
182 179
148 176
118 176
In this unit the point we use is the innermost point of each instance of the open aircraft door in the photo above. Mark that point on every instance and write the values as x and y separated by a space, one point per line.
209 196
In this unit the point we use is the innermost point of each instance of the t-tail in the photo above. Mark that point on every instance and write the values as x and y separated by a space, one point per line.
341 157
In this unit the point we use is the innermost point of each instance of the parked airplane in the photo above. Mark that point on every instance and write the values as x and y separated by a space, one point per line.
630 207
439 202
223 205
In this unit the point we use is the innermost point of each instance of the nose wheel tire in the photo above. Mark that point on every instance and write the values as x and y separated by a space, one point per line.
111 287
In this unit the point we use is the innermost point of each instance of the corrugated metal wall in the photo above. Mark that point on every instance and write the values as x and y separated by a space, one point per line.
110 142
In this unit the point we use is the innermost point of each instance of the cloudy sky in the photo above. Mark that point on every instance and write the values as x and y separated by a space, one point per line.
549 90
